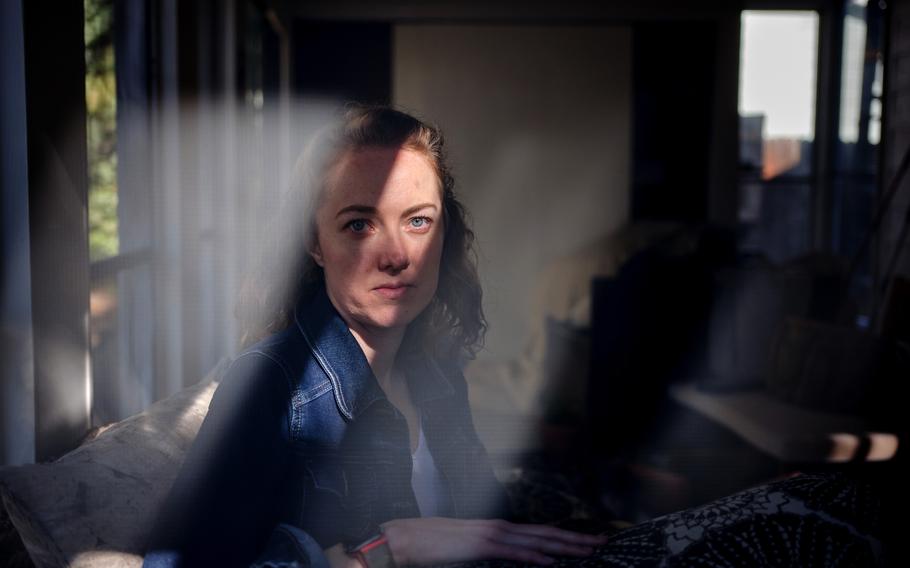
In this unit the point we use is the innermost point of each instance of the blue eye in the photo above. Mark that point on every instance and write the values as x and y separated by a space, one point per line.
419 222
357 225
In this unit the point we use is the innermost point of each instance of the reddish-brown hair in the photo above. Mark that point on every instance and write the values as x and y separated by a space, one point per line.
453 324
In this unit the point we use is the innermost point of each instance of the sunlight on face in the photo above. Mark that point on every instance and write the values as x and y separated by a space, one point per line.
380 235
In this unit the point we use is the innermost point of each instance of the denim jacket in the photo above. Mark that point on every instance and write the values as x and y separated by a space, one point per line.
301 450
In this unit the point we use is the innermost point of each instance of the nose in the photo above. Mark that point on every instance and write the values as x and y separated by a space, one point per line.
393 257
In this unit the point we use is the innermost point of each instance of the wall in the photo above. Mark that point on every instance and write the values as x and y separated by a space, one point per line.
537 122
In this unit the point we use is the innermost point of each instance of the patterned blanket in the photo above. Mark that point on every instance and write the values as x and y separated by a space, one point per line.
805 521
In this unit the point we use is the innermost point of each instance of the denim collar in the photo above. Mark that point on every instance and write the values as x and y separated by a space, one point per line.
340 356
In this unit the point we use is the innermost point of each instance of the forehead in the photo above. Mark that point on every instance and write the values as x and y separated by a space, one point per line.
380 176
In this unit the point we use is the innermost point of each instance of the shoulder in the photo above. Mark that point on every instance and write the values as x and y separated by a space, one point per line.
285 355
281 373
259 377
253 382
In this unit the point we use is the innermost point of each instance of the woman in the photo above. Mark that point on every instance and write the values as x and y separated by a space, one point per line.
343 435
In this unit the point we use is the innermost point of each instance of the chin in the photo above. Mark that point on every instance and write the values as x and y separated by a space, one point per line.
393 316
383 318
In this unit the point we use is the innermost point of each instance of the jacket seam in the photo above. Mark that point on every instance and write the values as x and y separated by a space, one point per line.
277 361
315 392
336 385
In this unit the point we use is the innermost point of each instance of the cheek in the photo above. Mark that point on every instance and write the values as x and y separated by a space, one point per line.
431 258
341 261
348 267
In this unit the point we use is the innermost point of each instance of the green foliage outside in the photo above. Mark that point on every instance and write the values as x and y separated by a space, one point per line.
101 108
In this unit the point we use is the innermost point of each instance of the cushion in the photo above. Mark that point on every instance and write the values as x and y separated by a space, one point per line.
96 504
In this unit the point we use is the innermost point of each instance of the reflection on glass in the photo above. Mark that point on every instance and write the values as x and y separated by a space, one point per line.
104 343
104 242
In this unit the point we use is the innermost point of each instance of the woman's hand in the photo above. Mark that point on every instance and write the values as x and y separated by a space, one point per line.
436 540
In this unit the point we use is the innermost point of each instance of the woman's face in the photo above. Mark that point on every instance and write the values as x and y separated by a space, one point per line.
379 235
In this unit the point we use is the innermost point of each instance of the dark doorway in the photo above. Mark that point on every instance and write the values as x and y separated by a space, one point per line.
673 83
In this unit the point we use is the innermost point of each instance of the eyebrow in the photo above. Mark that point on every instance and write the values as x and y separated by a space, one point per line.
371 210
356 209
416 208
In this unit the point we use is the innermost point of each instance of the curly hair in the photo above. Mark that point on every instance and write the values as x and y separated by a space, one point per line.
452 325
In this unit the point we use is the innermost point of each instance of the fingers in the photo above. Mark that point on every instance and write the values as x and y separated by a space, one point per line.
546 531
549 533
541 539
437 540
545 545
506 552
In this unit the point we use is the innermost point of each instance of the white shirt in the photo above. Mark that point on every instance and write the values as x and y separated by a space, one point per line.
427 482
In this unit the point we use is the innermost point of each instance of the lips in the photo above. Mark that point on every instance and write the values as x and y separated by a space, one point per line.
393 290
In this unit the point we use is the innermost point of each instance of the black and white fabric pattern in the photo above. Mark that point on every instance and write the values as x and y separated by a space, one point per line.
805 521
